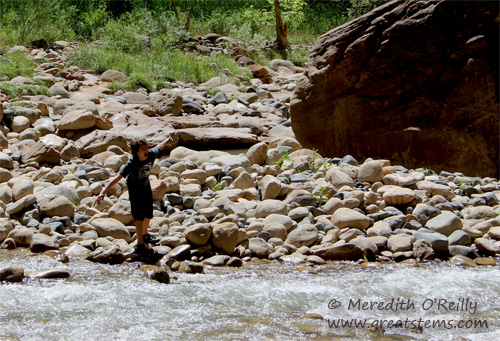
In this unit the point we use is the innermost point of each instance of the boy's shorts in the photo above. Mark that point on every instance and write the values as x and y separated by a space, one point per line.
141 203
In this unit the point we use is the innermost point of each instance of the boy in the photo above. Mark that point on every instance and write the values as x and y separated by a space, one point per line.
137 171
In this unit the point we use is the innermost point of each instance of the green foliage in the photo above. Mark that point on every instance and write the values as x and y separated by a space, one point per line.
16 64
10 90
14 91
150 67
462 184
219 185
321 196
360 7
284 161
24 21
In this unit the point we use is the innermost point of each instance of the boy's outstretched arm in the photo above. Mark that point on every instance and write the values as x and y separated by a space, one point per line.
167 142
110 184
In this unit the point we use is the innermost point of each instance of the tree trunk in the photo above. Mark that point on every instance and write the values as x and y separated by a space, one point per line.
281 30
188 21
175 11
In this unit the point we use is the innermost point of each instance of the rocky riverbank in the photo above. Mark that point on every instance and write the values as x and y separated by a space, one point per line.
276 202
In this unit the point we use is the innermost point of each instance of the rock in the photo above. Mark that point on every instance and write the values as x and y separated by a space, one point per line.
459 237
40 152
22 236
136 98
484 246
167 102
12 274
434 189
8 244
217 260
338 178
77 250
198 234
494 232
112 255
347 65
332 205
52 274
6 161
480 212
459 250
258 247
225 236
98 141
394 195
113 76
346 217
368 247
276 230
462 261
267 207
438 241
191 268
422 250
304 235
257 154
424 212
371 171
445 223
294 259
400 243
121 211
111 227
20 205
180 252
156 273
57 90
234 262
339 252
56 205
41 243
22 187
485 261
77 120
269 187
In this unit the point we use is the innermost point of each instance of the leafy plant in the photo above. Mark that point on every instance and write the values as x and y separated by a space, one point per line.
320 196
285 157
462 184
16 64
219 185
10 90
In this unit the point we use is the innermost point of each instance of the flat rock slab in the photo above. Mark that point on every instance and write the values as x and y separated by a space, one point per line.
216 137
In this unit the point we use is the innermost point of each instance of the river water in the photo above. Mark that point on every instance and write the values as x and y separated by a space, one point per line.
261 302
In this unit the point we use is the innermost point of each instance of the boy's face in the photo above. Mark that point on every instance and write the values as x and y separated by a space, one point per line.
143 152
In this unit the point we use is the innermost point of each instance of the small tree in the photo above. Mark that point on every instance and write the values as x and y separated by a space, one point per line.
281 29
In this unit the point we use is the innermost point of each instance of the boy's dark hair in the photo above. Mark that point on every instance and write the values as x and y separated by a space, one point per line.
137 143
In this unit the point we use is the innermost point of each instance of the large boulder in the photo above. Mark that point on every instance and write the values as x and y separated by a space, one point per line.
98 141
40 152
111 227
412 81
167 102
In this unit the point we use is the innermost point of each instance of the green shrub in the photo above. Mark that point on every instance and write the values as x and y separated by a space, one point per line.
149 67
10 90
34 90
16 64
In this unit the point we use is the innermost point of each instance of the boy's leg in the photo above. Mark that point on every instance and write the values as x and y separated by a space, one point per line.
146 237
145 225
138 230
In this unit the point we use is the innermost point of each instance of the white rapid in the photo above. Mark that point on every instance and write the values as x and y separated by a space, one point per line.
101 302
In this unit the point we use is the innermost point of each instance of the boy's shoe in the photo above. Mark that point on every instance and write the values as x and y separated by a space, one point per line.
147 238
140 249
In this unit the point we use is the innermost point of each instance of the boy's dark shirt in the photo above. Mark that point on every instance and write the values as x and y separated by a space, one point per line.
137 172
